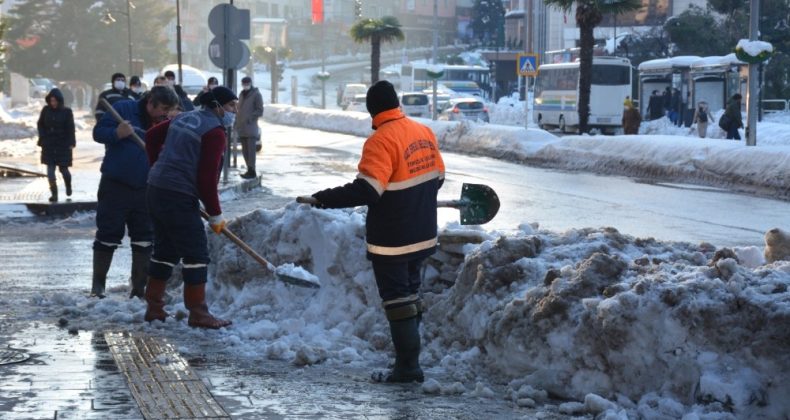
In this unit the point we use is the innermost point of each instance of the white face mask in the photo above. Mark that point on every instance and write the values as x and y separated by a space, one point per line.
119 84
246 87
137 89
211 86
171 82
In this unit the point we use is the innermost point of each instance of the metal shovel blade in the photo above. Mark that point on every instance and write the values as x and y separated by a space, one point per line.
478 204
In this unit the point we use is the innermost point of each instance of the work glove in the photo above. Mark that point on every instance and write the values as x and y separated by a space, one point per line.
217 223
318 204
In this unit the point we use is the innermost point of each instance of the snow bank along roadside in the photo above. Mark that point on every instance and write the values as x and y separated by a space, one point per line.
626 325
714 162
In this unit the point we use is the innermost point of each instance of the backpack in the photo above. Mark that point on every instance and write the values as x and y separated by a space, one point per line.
703 116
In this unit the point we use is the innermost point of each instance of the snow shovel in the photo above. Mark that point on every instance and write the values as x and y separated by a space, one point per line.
478 204
308 280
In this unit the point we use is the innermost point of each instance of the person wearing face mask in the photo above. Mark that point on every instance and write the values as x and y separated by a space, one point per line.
186 103
124 176
211 84
117 92
185 168
136 86
56 139
246 125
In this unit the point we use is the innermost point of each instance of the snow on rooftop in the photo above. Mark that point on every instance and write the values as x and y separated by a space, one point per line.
668 63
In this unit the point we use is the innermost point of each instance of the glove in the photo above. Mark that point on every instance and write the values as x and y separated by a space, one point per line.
217 223
319 204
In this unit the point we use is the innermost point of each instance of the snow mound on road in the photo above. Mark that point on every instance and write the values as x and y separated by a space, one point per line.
654 327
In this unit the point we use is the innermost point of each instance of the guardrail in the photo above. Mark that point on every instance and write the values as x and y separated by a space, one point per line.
775 105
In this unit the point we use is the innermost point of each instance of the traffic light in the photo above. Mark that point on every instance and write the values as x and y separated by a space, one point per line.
357 9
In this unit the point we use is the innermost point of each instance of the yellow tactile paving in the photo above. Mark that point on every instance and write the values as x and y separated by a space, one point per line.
161 381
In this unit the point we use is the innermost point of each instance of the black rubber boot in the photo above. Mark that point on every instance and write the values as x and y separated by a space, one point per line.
67 181
406 338
53 189
101 265
140 259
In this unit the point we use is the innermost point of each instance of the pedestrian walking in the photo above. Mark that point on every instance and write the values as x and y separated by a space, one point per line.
185 102
702 117
211 84
246 125
400 173
186 154
631 118
116 92
675 107
56 138
124 176
731 121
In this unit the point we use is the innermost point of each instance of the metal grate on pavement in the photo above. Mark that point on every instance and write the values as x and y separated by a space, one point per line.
161 381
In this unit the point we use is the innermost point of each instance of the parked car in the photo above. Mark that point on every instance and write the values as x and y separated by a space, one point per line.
415 104
465 109
194 79
40 86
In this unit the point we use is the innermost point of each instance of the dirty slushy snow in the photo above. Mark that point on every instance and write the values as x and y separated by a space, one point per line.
587 321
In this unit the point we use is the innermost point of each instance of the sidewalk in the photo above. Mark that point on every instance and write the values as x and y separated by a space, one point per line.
33 192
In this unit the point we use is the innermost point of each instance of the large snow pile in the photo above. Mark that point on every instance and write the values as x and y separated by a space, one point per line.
656 328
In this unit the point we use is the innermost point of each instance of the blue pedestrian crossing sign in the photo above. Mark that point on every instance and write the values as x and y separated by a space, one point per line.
527 65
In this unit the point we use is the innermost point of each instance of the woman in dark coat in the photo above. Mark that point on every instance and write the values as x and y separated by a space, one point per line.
56 139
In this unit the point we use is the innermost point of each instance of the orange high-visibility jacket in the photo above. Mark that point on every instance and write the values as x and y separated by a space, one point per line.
402 162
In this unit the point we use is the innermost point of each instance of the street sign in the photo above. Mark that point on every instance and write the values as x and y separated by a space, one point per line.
527 65
229 25
238 53
238 21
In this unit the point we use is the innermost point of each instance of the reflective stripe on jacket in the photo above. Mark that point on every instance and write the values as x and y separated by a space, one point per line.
402 162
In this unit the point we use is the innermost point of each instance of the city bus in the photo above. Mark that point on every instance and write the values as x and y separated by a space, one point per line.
470 80
557 92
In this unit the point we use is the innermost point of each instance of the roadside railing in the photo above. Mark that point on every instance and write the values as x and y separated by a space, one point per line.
775 105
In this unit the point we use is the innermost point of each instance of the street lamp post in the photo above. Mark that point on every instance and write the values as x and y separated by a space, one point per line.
107 19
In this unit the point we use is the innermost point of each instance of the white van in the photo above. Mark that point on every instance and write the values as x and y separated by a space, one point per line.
350 91
415 104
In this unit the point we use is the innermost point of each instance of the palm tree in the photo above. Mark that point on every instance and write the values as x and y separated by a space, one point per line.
376 30
589 14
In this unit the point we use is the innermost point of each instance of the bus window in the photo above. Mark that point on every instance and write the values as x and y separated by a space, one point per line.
611 75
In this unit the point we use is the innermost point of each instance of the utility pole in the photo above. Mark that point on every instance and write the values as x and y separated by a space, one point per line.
754 82
434 51
129 32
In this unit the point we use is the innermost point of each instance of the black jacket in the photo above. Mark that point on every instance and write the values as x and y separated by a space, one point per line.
56 132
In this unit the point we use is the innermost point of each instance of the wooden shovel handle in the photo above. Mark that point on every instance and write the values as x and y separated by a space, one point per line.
241 244
304 199
120 119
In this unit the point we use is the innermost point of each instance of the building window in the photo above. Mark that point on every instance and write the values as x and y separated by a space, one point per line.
275 11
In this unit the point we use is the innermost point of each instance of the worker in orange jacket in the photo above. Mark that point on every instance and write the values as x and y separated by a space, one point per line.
400 173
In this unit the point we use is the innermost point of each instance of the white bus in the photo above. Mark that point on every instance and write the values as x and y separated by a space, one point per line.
557 92
463 79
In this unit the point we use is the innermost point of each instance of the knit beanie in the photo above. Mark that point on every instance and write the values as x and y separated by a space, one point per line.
219 94
381 97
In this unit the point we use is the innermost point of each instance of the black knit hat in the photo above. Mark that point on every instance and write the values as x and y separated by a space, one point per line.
224 95
246 79
381 97
117 76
